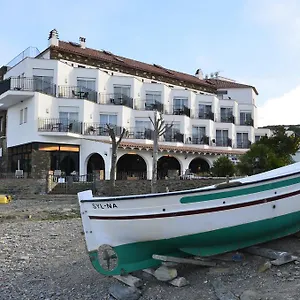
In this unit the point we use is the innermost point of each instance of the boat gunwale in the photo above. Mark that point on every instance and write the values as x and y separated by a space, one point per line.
183 192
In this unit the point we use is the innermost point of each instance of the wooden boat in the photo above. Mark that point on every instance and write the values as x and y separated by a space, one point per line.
122 233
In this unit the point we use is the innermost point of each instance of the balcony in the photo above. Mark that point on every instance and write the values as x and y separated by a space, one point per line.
223 142
149 105
59 125
198 139
178 110
28 85
174 135
116 99
243 144
77 92
99 129
249 122
197 114
140 133
225 118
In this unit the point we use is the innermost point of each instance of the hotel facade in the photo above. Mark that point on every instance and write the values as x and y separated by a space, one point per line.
55 104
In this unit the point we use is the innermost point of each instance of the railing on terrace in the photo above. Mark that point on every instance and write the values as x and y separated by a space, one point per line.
148 105
77 92
116 99
59 125
223 142
178 110
199 114
140 133
28 52
198 140
99 129
174 135
249 122
28 84
243 144
225 118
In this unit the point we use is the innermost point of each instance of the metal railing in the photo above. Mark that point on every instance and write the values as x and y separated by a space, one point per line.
225 118
116 99
131 175
28 84
243 144
99 129
223 142
28 52
198 140
140 133
199 114
174 135
77 92
249 122
148 105
59 125
178 110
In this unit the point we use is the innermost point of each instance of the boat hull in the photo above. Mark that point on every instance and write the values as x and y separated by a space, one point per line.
202 222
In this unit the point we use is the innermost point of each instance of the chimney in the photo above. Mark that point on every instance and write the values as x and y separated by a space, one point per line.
82 42
53 38
199 74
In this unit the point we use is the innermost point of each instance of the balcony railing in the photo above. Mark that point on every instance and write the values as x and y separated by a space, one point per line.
198 140
249 122
99 129
198 114
243 144
116 99
27 84
60 125
225 118
140 133
147 105
77 92
178 110
174 135
223 142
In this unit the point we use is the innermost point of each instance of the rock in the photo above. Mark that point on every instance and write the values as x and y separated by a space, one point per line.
179 282
165 274
221 291
264 267
121 292
250 295
219 271
24 258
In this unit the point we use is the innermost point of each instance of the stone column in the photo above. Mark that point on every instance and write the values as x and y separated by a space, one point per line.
40 164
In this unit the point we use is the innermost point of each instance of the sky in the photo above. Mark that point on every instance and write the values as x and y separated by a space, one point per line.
256 42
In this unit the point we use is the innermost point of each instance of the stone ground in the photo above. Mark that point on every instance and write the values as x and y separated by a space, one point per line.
43 256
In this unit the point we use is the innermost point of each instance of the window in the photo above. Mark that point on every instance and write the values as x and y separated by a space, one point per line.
68 121
198 134
257 138
21 116
222 138
43 83
246 118
122 90
242 140
226 114
87 83
153 97
143 124
179 103
204 111
108 119
25 115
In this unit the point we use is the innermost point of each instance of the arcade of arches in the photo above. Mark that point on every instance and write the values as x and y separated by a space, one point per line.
96 165
168 166
131 166
198 165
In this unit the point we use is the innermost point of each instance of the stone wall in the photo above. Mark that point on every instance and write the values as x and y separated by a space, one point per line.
40 164
22 187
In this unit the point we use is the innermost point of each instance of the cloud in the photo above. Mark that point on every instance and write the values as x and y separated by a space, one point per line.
283 110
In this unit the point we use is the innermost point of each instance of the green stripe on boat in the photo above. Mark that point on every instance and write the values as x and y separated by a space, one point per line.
240 192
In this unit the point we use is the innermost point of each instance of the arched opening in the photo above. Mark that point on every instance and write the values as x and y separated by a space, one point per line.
96 165
168 166
199 166
131 166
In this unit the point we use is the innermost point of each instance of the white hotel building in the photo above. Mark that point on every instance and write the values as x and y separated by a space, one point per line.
54 107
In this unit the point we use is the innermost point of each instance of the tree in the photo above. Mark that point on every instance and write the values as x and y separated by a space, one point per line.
270 152
159 129
223 166
115 144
